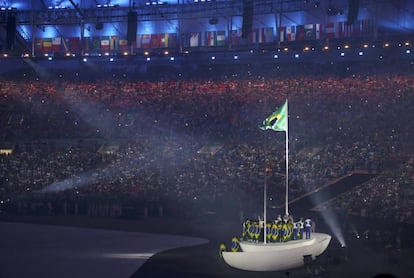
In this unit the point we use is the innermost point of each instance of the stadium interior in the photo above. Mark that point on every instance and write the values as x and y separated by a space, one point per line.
150 111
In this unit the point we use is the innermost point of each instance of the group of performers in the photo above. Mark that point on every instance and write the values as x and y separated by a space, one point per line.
282 229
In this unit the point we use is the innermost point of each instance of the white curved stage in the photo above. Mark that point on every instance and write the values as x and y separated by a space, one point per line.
277 256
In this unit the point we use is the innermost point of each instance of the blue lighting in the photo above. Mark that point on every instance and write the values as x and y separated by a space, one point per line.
408 51
296 56
213 57
85 59
49 32
148 59
342 54
147 27
275 56
110 5
236 57
172 58
148 3
360 53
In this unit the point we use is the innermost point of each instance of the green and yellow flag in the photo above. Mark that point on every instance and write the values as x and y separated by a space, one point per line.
278 120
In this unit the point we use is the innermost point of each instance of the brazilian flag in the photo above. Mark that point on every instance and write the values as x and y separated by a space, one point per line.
278 120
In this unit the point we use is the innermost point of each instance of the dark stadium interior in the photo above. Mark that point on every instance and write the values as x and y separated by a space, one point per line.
143 116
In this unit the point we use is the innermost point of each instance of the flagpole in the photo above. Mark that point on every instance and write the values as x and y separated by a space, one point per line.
287 161
277 121
265 194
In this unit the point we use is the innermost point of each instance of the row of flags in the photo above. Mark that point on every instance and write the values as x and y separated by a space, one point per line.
219 38
205 38
208 38
325 31
147 41
166 40
74 44
300 32
103 43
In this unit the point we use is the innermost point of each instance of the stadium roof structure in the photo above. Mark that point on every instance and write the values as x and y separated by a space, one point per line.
71 11
25 21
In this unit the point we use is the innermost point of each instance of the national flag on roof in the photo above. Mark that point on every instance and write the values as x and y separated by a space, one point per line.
123 45
56 44
105 43
282 33
268 33
145 40
47 45
221 38
330 30
164 40
291 33
309 32
194 39
300 32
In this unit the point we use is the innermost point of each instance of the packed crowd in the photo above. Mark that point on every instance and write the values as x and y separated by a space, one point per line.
162 130
389 194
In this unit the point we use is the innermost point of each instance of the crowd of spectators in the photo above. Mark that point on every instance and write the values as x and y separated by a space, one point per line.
389 194
337 124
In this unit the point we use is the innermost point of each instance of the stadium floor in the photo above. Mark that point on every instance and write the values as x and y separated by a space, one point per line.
124 248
